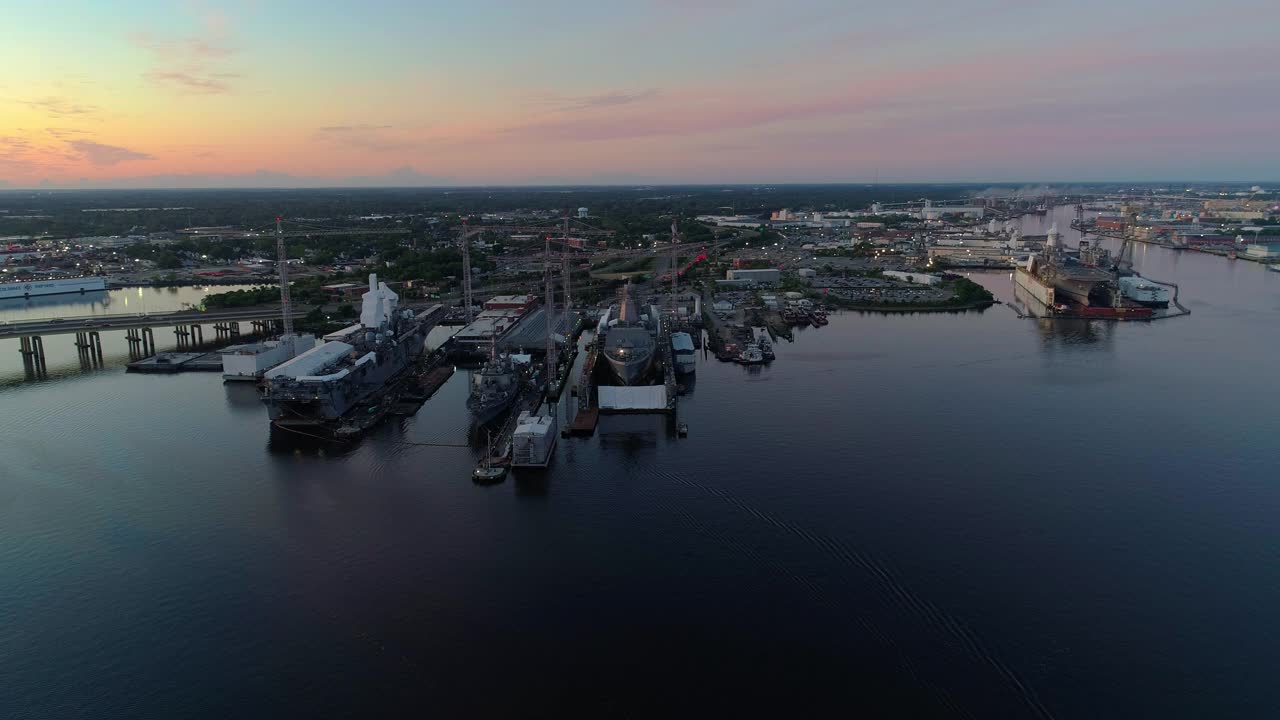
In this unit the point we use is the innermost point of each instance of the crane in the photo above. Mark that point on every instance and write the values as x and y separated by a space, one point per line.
566 230
282 260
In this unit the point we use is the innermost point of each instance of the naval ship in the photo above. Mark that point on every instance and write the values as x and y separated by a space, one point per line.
493 389
315 390
1067 286
628 344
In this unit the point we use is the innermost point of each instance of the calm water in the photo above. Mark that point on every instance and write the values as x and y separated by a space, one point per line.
932 516
126 301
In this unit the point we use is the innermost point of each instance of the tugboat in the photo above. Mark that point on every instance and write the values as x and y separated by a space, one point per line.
486 471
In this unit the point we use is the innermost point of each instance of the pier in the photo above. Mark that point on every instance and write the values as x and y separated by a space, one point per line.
588 415
176 362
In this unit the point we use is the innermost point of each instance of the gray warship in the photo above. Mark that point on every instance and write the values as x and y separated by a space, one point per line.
315 390
493 389
628 343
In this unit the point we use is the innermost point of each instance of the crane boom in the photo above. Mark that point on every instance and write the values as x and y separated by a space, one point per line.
282 261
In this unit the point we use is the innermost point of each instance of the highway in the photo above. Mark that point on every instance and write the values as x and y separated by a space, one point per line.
84 323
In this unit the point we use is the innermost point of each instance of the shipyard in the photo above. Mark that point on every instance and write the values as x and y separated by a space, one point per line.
555 322
640 368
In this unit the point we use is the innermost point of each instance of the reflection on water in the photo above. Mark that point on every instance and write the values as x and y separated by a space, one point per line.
243 398
90 303
124 301
1070 334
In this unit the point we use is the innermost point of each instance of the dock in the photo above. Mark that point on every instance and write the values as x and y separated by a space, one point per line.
433 380
584 423
176 362
588 415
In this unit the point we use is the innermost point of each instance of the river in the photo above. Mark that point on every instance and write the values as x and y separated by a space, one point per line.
933 515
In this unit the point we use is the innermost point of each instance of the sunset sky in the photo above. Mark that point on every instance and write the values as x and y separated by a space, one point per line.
388 92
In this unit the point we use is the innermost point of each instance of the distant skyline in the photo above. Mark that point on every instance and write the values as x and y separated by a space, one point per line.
501 92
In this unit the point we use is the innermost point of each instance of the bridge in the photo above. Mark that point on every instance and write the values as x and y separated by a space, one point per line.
139 331
84 323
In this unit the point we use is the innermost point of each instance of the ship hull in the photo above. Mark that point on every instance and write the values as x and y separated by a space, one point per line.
1045 294
630 372
485 414
1151 303
629 351
1144 293
60 286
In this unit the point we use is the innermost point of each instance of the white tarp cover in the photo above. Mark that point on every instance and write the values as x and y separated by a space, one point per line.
640 397
310 361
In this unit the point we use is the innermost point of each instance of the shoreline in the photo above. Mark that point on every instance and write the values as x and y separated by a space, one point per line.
924 308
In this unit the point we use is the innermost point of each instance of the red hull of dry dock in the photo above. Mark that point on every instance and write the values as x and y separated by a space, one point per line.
1120 312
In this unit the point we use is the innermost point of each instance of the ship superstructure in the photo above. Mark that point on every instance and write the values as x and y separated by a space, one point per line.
493 389
325 383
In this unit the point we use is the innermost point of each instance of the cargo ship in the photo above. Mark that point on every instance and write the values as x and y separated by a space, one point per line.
51 285
1068 288
316 391
628 344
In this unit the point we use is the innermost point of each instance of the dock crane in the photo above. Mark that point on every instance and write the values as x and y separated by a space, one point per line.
566 230
282 260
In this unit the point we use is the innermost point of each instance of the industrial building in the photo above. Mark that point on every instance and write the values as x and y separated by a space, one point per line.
768 275
523 303
501 316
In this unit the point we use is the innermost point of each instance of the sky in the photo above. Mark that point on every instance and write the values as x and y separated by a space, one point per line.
285 93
